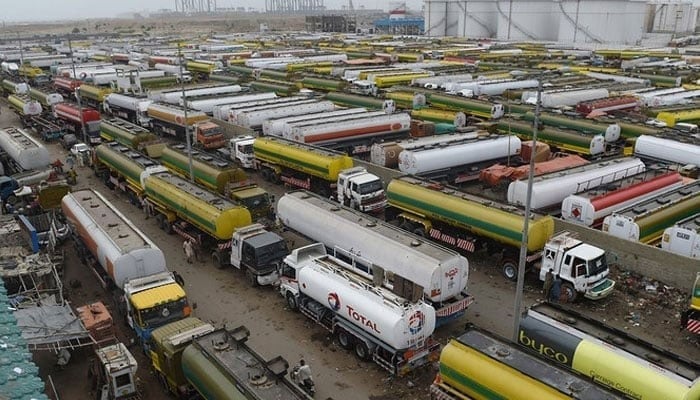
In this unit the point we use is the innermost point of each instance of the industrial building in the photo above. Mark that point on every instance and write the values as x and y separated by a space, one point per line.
569 21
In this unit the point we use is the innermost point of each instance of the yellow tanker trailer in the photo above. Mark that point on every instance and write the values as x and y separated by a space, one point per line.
195 213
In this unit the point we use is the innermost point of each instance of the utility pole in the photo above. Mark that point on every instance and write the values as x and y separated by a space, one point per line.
526 222
77 92
510 16
184 105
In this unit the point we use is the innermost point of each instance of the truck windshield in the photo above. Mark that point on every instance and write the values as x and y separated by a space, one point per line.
246 148
370 187
271 253
162 314
212 131
597 265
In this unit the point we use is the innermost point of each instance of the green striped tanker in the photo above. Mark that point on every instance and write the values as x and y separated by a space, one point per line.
611 132
220 176
323 171
563 139
121 168
356 100
468 222
194 213
478 108
125 133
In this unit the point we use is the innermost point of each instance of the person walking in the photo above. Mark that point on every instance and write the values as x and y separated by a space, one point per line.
556 289
189 250
548 280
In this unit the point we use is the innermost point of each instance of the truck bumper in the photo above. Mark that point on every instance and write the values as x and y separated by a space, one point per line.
269 279
601 290
374 207
453 310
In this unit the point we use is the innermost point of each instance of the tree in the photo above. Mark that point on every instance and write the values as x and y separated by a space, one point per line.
76 30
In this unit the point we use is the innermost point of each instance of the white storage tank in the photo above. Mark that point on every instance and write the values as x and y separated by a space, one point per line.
601 21
436 13
529 20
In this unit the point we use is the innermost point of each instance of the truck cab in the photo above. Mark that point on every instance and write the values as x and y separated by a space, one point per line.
364 87
154 301
690 318
289 285
241 150
8 185
209 135
582 268
361 190
114 372
259 252
256 199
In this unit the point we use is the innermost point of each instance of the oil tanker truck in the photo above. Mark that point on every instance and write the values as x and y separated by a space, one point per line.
684 237
124 259
467 222
170 120
194 213
192 358
126 133
479 365
322 171
607 356
439 273
375 323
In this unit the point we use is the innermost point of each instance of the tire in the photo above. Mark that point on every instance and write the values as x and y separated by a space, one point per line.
12 199
361 350
509 269
159 220
216 259
345 340
252 279
274 178
568 292
419 231
292 302
167 226
265 174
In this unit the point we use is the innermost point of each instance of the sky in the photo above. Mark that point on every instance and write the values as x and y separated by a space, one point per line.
47 10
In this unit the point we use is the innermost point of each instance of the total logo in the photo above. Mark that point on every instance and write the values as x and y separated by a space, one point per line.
333 301
416 322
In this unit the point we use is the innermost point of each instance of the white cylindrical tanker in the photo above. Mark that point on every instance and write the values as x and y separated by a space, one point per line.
495 89
441 156
226 111
386 154
15 88
288 127
173 97
357 129
47 99
275 126
24 149
551 189
24 105
667 149
116 100
683 238
171 69
207 105
442 273
590 207
264 105
565 98
375 310
675 98
441 80
123 251
255 118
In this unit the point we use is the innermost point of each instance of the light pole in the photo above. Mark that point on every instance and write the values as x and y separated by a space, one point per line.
184 105
77 93
526 222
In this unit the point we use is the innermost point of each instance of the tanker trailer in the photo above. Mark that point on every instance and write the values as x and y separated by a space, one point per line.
46 99
75 119
194 213
645 221
684 237
220 365
373 321
132 109
174 96
441 273
254 118
386 154
667 149
611 132
458 162
125 259
565 139
25 151
276 126
126 133
24 107
608 356
504 371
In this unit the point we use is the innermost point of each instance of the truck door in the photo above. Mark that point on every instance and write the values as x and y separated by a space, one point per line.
341 189
235 256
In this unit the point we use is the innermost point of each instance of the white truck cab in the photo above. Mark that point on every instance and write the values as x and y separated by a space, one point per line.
241 150
582 268
361 190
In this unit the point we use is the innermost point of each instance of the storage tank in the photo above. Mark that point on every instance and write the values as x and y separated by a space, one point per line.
590 207
683 238
117 244
551 189
24 105
386 154
310 160
213 172
24 149
436 14
645 221
212 213
46 99
393 319
275 126
255 119
526 21
441 272
366 128
600 21
667 149
436 157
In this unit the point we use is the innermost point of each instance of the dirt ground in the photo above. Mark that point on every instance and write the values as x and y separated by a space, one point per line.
645 309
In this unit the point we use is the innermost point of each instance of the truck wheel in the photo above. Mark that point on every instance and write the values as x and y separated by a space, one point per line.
265 174
252 279
12 199
291 302
167 226
216 259
361 350
344 339
419 231
568 292
510 269
159 220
